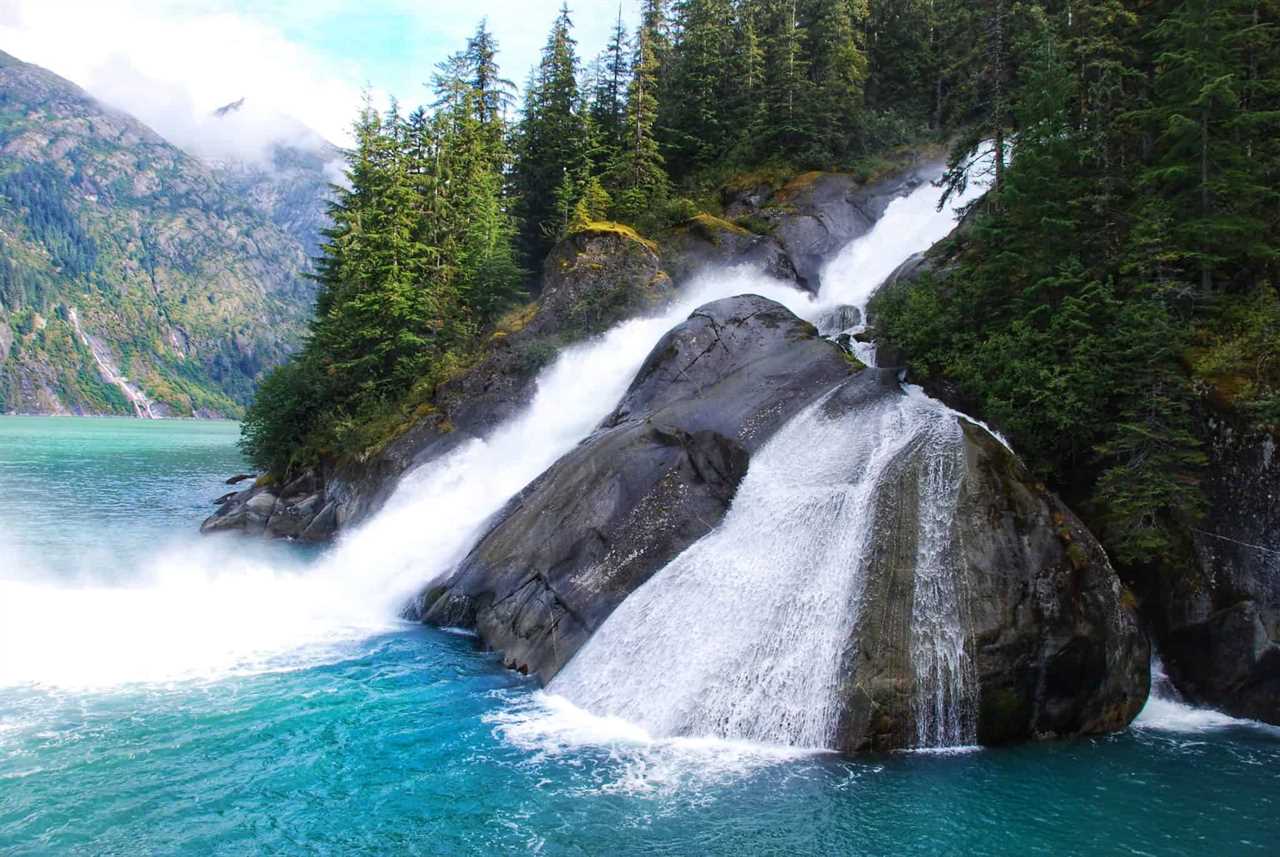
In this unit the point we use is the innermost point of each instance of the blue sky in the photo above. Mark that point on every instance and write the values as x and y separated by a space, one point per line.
170 62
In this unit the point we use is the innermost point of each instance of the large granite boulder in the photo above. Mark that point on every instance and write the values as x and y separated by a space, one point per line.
657 475
1050 636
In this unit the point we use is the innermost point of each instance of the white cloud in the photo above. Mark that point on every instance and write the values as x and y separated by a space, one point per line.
172 62
171 66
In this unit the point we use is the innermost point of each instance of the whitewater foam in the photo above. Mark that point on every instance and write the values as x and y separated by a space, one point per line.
224 606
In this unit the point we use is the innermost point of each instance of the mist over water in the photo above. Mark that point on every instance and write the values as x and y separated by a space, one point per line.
192 607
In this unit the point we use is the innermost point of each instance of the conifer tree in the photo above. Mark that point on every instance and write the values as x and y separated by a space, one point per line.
552 146
786 91
609 96
701 79
837 68
639 177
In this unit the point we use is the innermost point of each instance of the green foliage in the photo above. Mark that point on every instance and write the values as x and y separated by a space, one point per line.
419 261
1124 262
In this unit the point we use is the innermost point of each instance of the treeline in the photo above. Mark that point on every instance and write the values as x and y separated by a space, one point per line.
420 258
451 209
1120 277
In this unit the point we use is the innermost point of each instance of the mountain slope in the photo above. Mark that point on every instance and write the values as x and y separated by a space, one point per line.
288 180
132 280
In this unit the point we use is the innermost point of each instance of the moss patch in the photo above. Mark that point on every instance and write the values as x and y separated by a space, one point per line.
609 227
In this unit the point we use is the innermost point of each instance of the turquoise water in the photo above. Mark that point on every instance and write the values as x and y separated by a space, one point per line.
161 694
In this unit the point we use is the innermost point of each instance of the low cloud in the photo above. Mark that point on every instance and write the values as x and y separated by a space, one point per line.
172 68
171 63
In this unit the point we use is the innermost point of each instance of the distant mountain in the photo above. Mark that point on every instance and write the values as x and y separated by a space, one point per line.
288 180
133 277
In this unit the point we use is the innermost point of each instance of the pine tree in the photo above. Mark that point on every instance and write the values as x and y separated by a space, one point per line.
1203 134
787 124
639 178
837 67
696 124
552 146
609 96
746 102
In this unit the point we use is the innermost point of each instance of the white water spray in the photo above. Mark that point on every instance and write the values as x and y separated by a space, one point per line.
743 636
221 606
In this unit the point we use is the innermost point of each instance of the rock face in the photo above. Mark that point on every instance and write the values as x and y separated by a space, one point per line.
788 232
1053 639
815 214
658 474
706 242
1216 615
592 280
1218 622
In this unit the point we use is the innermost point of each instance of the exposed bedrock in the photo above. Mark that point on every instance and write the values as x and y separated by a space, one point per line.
658 474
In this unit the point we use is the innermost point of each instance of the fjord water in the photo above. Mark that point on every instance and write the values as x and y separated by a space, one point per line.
409 740
163 694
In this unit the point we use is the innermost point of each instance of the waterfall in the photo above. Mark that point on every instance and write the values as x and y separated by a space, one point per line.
208 608
945 687
747 633
744 634
203 608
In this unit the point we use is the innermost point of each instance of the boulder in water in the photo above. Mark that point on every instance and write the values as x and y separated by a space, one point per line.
888 576
1048 644
658 474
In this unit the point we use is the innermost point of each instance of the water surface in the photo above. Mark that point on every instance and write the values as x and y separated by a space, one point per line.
402 739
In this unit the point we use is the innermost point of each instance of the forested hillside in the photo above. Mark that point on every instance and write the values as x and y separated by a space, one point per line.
132 280
1116 282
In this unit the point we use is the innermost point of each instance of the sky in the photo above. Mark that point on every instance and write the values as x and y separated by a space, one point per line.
172 62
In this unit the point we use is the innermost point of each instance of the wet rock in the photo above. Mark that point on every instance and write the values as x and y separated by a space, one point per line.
290 518
839 319
1051 635
658 474
815 214
705 242
1217 615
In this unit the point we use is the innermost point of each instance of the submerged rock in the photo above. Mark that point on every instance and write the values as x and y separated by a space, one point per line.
658 474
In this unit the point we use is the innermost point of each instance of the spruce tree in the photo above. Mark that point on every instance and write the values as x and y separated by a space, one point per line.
701 80
639 178
837 67
551 142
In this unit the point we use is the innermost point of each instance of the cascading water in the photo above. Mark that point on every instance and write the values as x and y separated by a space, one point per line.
945 687
226 606
744 635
